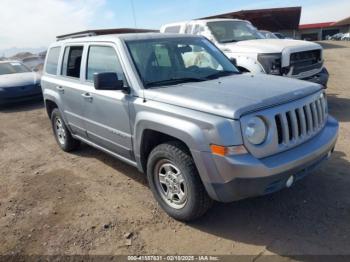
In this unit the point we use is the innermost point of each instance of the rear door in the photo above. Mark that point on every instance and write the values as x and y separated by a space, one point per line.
71 88
106 112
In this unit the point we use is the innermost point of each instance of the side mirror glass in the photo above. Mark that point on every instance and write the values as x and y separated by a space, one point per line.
108 81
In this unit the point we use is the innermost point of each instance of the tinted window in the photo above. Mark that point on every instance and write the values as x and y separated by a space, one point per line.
72 61
12 68
52 60
172 29
103 59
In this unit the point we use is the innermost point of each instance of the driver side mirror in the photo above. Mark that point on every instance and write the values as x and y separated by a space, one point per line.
108 81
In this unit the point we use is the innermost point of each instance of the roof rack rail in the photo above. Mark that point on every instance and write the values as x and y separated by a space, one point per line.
89 33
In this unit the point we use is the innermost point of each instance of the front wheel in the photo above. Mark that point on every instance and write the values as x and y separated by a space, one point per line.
175 182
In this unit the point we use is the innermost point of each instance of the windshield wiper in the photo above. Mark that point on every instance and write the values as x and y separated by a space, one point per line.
174 81
221 74
229 41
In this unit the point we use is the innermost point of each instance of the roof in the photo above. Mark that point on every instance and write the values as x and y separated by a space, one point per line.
104 32
272 19
316 25
127 37
345 21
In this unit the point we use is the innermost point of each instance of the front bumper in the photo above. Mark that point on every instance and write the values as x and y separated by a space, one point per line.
320 78
13 95
236 177
18 99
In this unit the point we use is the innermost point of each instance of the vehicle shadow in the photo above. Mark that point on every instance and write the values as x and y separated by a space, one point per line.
328 45
87 151
338 106
311 218
22 106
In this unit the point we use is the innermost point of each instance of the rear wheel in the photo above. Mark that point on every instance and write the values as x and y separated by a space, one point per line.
61 132
175 182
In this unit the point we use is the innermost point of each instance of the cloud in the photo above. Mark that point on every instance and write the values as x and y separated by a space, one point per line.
25 24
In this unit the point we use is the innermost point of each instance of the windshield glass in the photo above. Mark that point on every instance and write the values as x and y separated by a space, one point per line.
167 61
268 35
233 31
12 68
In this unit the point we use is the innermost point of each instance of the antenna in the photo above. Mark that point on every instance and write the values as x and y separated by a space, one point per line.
133 12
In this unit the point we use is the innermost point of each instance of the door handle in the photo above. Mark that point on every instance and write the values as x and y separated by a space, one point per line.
87 96
60 89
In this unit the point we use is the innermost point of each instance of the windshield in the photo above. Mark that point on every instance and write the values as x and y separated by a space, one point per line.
233 31
12 68
167 61
268 35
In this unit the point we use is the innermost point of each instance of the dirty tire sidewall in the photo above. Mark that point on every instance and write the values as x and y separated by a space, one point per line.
198 201
69 142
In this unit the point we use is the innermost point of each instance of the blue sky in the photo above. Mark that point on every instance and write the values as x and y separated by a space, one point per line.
36 23
153 13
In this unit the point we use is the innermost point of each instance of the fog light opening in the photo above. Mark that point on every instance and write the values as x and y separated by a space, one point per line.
290 181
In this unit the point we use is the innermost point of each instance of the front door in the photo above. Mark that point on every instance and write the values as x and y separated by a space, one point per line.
106 112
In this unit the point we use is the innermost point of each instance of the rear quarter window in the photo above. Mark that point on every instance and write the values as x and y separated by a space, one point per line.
172 29
52 60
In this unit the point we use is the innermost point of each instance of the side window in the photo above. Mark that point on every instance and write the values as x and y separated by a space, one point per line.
72 61
102 59
188 29
172 29
52 60
198 29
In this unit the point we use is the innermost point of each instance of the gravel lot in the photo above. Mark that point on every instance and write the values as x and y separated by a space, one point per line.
87 202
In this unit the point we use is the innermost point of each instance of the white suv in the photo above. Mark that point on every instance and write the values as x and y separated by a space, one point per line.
252 52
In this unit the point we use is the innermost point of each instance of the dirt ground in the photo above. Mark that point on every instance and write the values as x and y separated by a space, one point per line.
87 202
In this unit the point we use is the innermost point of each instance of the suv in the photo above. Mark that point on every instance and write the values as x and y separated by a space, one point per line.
176 108
252 52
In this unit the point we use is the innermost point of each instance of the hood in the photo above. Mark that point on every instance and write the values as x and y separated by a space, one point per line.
21 79
233 96
270 46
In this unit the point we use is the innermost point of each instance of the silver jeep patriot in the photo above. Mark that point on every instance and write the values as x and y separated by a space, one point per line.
175 107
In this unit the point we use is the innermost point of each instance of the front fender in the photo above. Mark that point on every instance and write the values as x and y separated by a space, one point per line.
186 131
249 63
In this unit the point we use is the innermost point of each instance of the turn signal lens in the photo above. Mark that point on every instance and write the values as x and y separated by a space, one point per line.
231 150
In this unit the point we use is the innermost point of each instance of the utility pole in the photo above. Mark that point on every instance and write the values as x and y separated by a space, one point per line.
133 12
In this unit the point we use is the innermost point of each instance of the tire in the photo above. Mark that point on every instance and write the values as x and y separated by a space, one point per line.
172 161
63 136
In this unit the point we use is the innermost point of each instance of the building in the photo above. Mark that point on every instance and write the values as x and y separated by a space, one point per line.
272 19
287 21
320 31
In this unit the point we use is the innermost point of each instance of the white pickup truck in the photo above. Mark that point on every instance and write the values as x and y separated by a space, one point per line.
251 52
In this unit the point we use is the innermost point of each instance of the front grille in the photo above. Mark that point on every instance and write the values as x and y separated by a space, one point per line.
289 124
305 61
302 122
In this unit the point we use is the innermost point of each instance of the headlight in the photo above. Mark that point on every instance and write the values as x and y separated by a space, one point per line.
271 63
256 131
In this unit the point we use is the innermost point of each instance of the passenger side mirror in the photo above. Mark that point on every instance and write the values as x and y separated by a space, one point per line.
108 81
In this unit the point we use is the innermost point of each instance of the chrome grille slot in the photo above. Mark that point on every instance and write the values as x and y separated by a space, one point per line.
298 124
